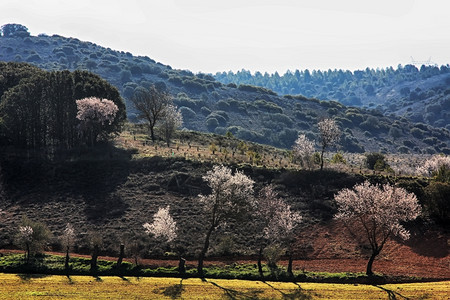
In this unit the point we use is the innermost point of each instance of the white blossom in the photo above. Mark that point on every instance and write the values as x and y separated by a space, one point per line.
68 236
379 211
231 193
431 166
303 149
329 135
231 196
26 234
378 208
163 226
277 215
171 120
329 132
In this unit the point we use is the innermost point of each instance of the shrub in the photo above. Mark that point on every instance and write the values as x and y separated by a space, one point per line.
403 149
437 204
375 159
268 106
219 118
205 110
34 58
125 76
195 86
416 132
223 105
187 113
212 123
255 89
338 158
395 132
184 100
110 58
281 118
136 70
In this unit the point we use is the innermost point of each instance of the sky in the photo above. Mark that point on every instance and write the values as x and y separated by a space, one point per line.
258 35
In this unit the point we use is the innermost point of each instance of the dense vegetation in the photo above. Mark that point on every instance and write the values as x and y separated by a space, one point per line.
420 95
249 112
38 109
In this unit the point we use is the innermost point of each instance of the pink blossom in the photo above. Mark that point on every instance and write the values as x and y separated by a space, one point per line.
93 109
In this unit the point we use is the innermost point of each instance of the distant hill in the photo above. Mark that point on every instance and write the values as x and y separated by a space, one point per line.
252 113
420 95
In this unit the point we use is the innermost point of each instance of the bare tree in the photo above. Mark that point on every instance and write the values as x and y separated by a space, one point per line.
303 149
329 136
231 197
171 120
151 104
379 211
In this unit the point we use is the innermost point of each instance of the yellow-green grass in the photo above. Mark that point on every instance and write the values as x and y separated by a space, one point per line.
14 286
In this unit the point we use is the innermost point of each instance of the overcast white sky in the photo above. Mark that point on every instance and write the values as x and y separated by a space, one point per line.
257 35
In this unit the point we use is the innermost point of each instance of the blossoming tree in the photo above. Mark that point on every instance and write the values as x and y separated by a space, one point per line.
95 115
163 226
437 166
67 240
303 149
231 197
329 136
278 221
171 121
26 238
379 210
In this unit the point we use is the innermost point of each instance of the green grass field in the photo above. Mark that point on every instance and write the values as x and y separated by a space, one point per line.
18 286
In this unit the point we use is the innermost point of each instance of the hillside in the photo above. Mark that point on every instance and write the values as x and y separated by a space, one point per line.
248 112
112 191
420 95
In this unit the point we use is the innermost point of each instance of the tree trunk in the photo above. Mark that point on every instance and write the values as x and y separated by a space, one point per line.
94 259
260 270
28 252
203 253
66 263
321 159
121 255
182 266
289 269
152 134
370 263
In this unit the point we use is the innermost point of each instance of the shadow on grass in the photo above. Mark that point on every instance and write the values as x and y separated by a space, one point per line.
391 294
27 277
173 291
237 295
298 293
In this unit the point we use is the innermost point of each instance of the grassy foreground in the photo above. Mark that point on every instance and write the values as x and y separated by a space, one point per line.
18 286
